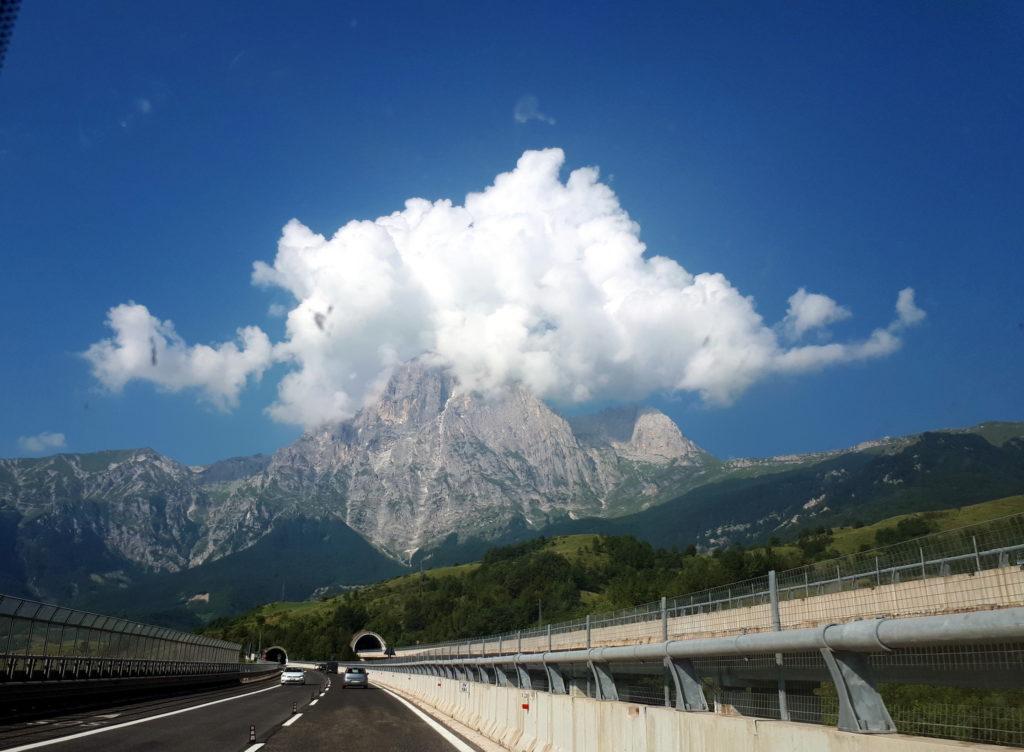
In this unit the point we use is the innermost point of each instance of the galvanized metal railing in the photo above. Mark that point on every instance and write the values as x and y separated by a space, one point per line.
873 642
970 568
828 674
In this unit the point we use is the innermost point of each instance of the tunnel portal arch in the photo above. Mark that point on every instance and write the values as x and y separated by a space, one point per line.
366 642
277 654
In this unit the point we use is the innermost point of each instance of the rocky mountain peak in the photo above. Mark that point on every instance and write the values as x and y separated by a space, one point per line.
642 434
415 394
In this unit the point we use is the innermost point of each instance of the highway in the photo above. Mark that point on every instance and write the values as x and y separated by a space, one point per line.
219 721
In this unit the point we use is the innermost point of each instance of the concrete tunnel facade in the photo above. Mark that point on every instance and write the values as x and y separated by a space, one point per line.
276 653
365 641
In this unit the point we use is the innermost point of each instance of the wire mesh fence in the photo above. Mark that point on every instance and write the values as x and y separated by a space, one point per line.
970 568
967 693
968 723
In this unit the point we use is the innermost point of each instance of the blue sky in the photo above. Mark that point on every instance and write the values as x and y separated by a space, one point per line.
149 154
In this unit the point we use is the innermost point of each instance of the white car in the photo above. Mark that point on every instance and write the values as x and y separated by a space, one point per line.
293 676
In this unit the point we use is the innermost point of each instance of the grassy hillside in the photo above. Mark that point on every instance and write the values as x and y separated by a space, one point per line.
851 539
554 579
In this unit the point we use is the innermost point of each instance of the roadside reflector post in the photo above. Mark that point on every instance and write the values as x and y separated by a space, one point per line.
294 709
252 732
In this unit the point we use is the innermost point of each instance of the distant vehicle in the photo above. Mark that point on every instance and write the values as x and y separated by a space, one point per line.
331 667
293 676
355 677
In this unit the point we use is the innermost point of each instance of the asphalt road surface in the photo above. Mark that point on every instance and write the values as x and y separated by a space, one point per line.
363 719
219 721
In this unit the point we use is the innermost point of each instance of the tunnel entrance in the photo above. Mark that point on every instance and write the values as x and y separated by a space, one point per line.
276 654
367 642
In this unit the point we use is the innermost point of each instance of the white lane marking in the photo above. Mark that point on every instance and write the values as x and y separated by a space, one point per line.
448 735
58 740
254 747
292 720
314 702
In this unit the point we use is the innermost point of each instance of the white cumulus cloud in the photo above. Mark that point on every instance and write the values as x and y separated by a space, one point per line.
811 310
42 442
533 280
147 349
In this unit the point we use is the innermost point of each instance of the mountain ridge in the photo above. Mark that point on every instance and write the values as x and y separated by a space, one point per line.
427 471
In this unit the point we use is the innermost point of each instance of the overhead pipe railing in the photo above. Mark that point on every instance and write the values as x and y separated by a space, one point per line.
887 581
843 647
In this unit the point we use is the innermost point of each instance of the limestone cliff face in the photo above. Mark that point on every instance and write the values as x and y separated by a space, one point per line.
428 460
642 434
135 504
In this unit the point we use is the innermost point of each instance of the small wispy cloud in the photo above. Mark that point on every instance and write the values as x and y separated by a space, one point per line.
41 442
809 311
528 108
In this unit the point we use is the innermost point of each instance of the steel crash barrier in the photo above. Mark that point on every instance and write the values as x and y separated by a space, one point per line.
970 568
924 638
785 670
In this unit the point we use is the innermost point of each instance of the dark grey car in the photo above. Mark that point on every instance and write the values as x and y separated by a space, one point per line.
355 677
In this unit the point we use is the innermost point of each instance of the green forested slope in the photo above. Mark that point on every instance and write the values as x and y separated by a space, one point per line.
554 579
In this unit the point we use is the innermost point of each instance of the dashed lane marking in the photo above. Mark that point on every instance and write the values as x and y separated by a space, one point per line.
292 720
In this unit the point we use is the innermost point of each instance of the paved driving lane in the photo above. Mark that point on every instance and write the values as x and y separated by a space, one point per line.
205 722
360 719
219 720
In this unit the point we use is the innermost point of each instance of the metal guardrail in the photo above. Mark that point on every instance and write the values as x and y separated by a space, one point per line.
682 673
40 641
811 594
898 632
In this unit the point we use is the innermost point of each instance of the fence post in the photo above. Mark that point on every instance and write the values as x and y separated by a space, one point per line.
588 631
924 574
549 637
977 556
519 641
664 638
773 594
664 619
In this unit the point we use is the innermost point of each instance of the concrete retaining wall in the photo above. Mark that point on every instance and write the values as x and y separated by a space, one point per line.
531 721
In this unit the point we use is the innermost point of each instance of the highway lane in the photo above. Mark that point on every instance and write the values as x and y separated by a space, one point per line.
219 720
363 719
211 721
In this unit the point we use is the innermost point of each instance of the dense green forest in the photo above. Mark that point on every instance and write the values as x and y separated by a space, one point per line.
547 580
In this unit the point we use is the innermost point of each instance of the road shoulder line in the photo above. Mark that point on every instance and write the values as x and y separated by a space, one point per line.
448 736
137 721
